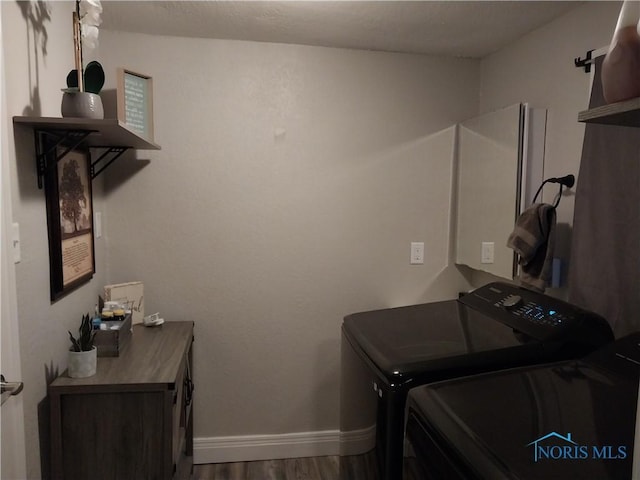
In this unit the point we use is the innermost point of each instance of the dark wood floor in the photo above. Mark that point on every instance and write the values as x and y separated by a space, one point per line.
356 467
312 468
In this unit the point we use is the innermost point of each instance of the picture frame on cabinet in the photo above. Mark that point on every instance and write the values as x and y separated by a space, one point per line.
69 220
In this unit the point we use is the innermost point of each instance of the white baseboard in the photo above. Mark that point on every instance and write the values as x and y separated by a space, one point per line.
264 447
356 442
246 448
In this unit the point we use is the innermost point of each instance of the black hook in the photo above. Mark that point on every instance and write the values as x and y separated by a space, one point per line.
566 181
584 62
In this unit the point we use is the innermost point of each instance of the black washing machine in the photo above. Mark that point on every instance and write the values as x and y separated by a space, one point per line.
387 352
567 420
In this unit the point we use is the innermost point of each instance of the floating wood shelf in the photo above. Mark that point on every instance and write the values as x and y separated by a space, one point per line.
625 113
110 134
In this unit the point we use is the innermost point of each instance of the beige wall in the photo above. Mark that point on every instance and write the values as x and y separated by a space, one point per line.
290 184
539 69
36 72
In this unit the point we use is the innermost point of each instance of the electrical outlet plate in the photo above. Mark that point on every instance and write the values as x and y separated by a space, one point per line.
417 253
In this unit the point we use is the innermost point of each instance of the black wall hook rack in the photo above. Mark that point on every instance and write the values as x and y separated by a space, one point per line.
584 62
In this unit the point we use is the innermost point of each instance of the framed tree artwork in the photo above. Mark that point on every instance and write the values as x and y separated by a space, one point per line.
69 221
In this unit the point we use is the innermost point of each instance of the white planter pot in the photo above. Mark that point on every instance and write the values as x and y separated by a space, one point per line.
83 364
82 105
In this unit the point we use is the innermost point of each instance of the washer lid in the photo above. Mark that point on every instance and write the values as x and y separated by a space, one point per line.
419 338
566 420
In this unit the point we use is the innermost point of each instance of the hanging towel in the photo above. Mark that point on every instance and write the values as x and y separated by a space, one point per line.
533 240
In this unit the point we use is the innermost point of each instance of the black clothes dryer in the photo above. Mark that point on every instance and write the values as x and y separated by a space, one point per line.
498 326
567 420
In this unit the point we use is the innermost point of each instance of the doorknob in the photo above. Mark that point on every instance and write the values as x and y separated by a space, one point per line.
8 389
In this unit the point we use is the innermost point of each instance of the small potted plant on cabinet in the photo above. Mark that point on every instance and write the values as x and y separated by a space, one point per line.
83 354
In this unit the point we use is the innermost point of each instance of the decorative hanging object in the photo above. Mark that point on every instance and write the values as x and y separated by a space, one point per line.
621 65
81 97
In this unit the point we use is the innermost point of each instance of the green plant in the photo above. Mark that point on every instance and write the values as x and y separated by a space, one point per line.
84 342
93 79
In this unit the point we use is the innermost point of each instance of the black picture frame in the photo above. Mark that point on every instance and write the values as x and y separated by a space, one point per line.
69 199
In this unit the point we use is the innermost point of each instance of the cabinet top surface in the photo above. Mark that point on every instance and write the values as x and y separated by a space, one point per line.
153 358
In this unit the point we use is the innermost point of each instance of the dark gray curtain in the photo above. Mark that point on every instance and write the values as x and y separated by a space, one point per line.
604 272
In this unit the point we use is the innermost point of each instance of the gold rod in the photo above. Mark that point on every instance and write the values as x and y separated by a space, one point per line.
77 46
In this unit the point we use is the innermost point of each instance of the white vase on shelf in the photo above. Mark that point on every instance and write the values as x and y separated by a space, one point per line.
621 65
82 105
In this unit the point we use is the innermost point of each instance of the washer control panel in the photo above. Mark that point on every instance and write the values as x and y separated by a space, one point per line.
535 314
510 302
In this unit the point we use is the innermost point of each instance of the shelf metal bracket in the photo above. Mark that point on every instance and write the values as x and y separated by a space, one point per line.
70 139
114 152
49 153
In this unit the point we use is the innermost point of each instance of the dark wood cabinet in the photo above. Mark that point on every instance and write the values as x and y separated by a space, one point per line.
133 419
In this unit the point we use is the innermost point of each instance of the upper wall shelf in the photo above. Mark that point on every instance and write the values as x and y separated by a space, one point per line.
109 134
625 113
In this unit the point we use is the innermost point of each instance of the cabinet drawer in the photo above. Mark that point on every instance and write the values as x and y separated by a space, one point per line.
123 430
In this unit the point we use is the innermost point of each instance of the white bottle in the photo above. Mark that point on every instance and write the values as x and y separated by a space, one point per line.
621 65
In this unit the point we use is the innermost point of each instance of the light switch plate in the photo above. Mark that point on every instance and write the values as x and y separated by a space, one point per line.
487 255
97 224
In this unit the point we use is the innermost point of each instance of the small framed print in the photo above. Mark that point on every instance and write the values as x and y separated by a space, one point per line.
70 222
135 102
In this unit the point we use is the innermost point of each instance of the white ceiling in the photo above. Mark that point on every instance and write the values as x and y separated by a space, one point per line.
452 28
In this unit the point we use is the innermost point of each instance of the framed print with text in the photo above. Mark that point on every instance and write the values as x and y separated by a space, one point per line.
70 222
135 102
